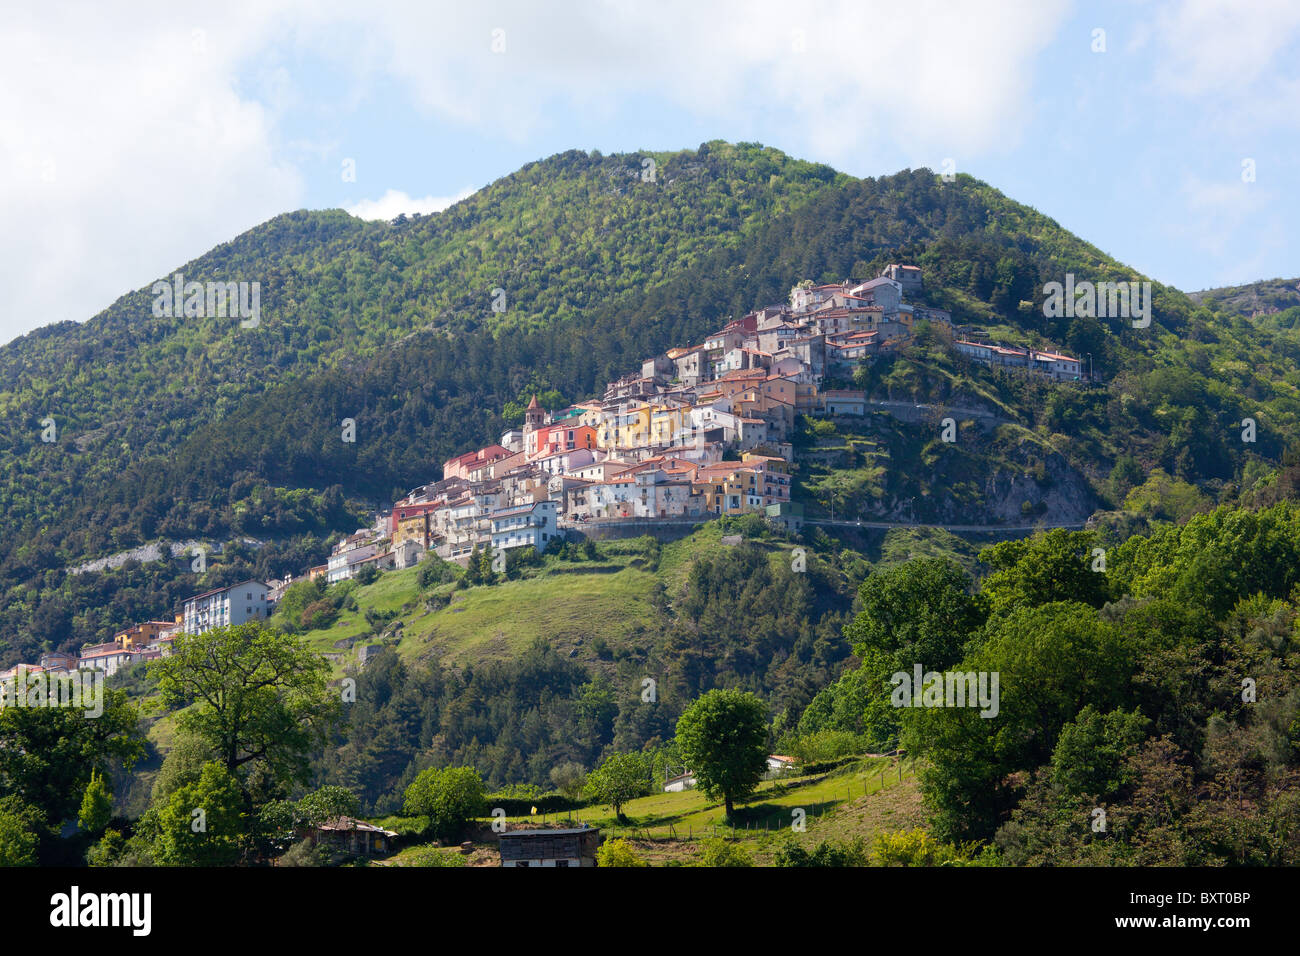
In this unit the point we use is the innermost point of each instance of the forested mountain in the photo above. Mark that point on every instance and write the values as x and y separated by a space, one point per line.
177 427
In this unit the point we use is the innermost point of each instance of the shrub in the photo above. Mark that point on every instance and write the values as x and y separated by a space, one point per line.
827 853
913 848
432 856
434 571
318 615
301 853
618 853
720 852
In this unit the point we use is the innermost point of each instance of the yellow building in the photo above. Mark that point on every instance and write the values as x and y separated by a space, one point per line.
412 528
729 488
626 427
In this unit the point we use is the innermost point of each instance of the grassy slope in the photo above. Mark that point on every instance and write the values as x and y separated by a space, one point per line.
872 797
568 603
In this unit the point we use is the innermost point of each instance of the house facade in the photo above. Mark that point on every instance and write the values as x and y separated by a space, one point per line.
561 848
225 607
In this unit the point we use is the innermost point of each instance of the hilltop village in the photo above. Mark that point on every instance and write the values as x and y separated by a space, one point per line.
698 432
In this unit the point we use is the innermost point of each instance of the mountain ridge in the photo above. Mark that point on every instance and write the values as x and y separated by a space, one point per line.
229 446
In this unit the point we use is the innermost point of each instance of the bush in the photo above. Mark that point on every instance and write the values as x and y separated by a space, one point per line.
432 856
618 853
434 571
827 853
405 826
828 746
318 615
523 806
914 848
720 852
302 853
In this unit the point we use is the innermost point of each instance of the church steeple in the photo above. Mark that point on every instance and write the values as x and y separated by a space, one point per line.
534 416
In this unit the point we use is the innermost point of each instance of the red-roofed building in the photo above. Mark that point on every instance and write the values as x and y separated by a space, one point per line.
462 465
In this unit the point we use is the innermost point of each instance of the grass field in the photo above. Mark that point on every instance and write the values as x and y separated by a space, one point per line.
873 796
876 795
570 603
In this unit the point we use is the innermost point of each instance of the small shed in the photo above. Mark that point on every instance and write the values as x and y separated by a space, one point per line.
575 846
353 836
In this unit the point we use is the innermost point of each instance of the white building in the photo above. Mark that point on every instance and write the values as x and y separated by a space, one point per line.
526 526
109 658
344 564
683 781
225 607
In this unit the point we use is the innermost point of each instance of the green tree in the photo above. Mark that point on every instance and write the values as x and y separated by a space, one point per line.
620 778
20 827
1052 566
327 803
96 805
108 850
47 754
1050 661
258 696
297 598
450 798
722 736
434 571
570 778
918 612
1093 750
202 823
182 765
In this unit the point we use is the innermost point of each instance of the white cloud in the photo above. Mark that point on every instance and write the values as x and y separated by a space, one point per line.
139 137
395 202
128 152
1222 46
938 75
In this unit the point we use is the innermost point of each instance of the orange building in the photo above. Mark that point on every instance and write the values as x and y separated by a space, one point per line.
141 635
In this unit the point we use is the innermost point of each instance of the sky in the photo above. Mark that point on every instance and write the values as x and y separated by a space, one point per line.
137 136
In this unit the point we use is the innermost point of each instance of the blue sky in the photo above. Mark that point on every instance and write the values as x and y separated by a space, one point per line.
137 139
